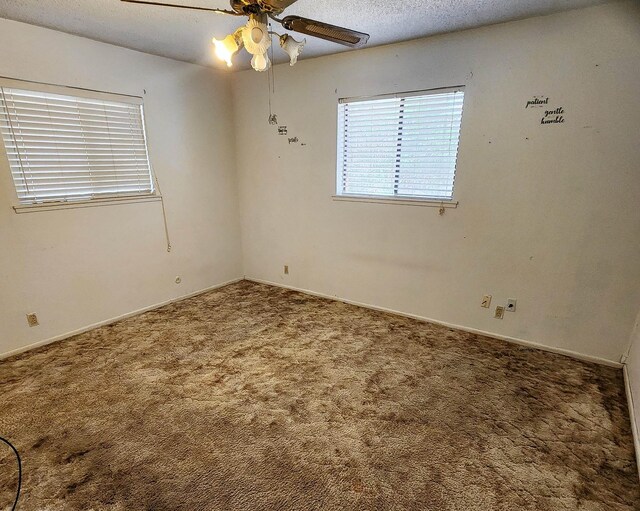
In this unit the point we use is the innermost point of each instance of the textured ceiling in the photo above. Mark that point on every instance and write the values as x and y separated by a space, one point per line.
186 35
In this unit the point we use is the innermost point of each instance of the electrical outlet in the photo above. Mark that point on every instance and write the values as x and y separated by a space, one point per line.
32 319
486 301
511 305
499 312
286 269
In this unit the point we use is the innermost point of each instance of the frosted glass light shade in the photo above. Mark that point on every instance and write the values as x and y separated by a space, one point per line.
292 47
226 48
261 62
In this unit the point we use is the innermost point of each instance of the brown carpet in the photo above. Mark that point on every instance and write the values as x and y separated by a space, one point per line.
257 398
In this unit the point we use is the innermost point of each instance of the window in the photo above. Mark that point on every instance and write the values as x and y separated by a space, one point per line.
401 146
74 148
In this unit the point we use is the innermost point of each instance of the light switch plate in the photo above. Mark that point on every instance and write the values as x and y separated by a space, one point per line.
486 301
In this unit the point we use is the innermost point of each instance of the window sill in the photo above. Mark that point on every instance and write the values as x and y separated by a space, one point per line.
434 203
111 201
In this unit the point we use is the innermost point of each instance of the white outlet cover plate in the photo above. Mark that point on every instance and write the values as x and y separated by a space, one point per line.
511 305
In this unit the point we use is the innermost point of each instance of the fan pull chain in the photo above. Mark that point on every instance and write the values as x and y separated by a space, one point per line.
273 67
271 84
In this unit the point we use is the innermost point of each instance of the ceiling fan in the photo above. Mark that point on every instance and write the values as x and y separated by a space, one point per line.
255 36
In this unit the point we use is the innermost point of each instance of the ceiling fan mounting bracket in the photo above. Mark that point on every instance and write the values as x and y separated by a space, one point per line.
249 7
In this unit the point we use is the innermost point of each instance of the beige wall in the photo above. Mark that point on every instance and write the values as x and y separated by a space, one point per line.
632 373
78 267
548 214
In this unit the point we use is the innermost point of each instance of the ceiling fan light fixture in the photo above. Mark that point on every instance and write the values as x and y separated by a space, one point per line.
292 47
255 36
226 48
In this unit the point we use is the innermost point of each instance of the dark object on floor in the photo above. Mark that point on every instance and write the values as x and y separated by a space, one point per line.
256 398
19 462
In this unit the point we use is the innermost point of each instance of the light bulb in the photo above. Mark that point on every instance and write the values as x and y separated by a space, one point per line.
226 48
292 47
260 62
257 34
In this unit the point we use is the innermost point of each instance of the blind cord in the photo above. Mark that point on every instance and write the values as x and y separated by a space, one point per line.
164 211
15 451
13 135
155 178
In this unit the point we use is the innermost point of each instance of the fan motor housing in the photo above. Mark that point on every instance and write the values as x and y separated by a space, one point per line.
245 6
249 7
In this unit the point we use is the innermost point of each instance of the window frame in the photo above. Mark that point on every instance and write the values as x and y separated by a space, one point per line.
99 200
396 199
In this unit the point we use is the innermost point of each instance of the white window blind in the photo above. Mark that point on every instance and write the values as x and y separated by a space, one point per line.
68 148
400 145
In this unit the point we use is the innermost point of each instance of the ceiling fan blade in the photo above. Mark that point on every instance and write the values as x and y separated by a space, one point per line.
333 33
162 4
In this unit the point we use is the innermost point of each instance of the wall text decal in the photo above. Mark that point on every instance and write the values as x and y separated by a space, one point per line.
537 102
553 116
